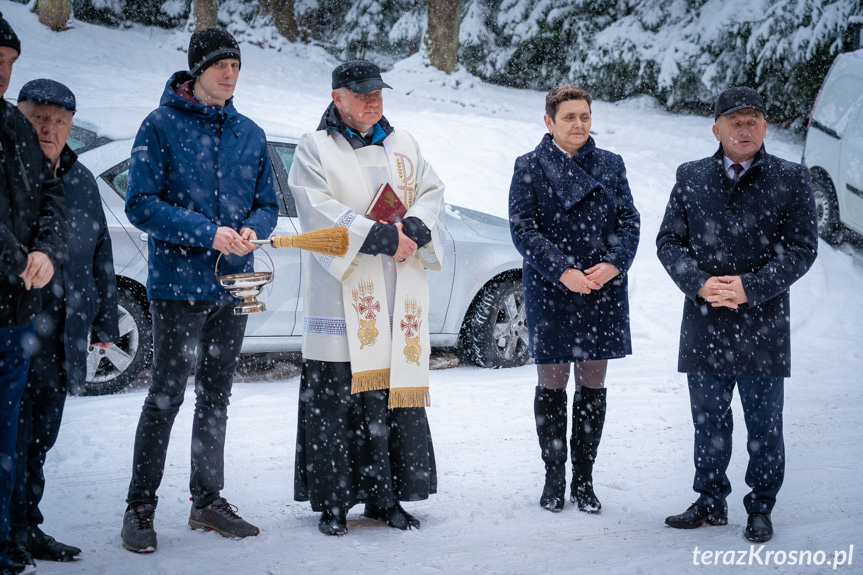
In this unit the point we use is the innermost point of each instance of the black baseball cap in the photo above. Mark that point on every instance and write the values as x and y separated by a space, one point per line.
48 92
735 99
358 76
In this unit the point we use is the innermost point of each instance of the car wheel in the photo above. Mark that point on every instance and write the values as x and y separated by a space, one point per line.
497 328
826 210
113 369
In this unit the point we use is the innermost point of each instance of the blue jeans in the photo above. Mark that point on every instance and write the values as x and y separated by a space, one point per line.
762 399
178 328
16 345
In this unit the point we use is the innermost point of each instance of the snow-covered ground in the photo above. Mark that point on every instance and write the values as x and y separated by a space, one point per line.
485 518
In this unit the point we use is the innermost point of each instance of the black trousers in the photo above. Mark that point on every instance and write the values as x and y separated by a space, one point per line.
179 327
40 415
352 449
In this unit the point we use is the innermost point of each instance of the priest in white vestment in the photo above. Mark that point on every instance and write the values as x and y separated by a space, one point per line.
362 433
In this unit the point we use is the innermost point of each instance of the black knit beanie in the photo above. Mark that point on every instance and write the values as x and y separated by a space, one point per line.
8 37
208 46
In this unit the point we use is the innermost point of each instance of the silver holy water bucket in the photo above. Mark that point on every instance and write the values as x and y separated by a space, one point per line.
246 287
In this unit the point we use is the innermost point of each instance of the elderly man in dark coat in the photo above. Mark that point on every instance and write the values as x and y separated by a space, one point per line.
573 219
738 230
80 300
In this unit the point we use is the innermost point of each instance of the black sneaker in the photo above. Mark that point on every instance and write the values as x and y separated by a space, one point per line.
221 517
138 533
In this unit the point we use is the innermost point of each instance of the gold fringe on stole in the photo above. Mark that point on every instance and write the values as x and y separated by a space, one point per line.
409 397
370 380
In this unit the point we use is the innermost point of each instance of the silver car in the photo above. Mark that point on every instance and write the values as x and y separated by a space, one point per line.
477 299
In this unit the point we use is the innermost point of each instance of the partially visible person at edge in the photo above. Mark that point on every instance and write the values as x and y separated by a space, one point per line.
362 431
80 300
573 220
739 229
33 235
200 185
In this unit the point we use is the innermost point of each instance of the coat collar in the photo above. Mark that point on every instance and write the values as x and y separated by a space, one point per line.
331 121
565 175
4 112
758 161
67 160
172 99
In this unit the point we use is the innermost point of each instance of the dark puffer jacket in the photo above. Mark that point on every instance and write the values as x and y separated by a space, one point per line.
573 213
761 228
32 214
195 168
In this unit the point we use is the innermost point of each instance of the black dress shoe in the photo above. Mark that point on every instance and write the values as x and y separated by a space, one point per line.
19 557
696 516
333 523
45 547
394 516
759 528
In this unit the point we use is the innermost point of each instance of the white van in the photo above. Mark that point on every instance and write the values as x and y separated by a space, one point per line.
834 148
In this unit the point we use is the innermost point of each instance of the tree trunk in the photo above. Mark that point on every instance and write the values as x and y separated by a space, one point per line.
206 14
282 12
54 13
442 34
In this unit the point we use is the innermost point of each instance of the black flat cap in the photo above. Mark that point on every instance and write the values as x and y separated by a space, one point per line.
358 76
735 99
48 92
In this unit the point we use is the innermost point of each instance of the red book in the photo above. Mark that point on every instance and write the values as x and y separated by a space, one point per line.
386 206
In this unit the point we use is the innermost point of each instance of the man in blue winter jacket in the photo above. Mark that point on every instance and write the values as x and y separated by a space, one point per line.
200 185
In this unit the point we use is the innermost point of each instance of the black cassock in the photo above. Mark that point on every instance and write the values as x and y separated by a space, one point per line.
352 449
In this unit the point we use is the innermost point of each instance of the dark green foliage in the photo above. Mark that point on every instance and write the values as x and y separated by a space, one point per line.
114 13
682 52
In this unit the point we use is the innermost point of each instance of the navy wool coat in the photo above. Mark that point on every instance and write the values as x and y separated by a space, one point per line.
762 229
573 213
82 296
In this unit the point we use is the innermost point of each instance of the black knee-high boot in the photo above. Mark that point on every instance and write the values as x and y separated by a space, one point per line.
549 408
588 417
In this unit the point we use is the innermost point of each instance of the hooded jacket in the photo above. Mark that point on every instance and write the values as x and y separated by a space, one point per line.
32 215
193 169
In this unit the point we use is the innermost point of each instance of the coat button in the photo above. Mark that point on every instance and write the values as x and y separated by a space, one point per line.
728 212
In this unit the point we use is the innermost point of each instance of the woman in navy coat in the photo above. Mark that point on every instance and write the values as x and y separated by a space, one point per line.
573 219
